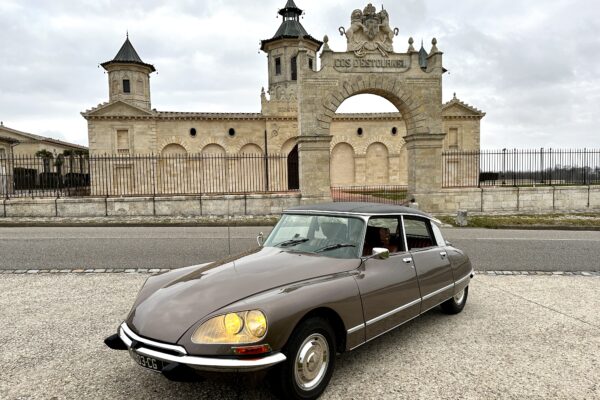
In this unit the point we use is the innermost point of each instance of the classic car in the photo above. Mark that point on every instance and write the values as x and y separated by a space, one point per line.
326 280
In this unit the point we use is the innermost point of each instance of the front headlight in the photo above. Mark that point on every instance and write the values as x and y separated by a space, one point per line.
232 328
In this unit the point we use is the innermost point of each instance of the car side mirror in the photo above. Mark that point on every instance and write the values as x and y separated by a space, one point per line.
381 253
260 239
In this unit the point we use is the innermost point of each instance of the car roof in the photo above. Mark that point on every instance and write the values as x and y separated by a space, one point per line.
356 208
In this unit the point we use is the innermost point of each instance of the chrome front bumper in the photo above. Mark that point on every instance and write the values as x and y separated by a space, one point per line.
199 363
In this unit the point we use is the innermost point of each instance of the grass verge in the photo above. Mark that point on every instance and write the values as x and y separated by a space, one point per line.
570 221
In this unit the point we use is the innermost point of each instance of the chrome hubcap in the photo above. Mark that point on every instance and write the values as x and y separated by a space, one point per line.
459 297
311 362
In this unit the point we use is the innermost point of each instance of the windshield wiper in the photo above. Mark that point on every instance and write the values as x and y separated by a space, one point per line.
334 246
291 242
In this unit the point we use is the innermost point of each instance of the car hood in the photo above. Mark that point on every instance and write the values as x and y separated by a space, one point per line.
167 308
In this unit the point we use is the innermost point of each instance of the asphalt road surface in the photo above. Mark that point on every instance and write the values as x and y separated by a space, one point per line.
519 337
174 247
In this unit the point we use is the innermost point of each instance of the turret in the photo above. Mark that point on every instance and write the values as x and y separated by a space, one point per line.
129 77
282 49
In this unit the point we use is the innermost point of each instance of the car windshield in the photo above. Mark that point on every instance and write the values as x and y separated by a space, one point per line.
337 237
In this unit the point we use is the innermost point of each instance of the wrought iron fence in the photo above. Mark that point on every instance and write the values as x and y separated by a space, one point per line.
386 194
138 175
517 167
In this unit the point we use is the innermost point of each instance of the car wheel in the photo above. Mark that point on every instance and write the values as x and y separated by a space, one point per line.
310 361
456 303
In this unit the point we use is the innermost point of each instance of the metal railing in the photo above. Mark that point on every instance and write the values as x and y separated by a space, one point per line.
518 167
141 175
385 194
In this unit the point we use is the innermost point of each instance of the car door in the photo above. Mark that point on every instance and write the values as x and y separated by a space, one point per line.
388 288
433 268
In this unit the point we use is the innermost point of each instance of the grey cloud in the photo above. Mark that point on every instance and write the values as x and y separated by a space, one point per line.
531 66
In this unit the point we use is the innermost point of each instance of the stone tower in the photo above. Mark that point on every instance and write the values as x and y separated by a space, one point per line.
129 77
282 50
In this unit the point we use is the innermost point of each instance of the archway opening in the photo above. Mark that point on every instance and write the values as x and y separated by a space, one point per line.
368 146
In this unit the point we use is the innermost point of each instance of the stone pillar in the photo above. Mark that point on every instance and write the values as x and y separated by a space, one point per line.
314 163
424 166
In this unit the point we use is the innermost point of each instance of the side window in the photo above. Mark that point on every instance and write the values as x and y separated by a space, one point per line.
278 66
294 69
438 235
418 233
383 232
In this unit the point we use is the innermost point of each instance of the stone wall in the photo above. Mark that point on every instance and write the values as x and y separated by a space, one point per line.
234 205
530 199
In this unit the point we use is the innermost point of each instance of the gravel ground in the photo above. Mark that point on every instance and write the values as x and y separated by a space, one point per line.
534 337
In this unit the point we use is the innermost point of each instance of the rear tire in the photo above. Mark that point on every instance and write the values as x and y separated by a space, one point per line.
310 361
456 303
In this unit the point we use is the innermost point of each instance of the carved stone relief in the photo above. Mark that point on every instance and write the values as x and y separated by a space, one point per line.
370 32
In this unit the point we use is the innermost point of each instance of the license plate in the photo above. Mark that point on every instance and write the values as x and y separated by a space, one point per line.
146 362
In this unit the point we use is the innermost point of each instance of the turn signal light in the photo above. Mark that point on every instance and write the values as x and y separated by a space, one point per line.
251 350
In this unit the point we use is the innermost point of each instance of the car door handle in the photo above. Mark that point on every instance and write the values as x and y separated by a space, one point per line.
443 254
407 260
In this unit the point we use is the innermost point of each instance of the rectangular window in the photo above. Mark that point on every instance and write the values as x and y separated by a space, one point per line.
2 153
278 66
294 69
126 86
453 138
122 141
310 64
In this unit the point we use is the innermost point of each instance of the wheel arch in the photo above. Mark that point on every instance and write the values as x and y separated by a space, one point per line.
333 318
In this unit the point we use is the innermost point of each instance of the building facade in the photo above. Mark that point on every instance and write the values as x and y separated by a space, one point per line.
354 149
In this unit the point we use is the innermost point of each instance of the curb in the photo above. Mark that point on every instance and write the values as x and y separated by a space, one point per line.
152 271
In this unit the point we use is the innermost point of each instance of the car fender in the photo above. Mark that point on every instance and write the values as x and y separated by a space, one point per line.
286 306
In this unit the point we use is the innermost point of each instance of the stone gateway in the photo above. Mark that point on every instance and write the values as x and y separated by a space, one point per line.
307 82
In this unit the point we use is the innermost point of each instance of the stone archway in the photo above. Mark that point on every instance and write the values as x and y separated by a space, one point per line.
414 90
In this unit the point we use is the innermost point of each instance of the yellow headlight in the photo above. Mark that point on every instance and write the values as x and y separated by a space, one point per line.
233 324
256 323
234 328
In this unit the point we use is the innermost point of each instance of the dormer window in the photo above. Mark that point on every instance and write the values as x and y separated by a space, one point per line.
278 66
294 66
126 86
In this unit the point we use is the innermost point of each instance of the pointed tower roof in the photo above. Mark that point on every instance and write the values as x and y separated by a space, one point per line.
290 28
128 55
290 6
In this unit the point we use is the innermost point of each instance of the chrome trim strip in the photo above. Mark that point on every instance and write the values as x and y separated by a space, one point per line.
461 280
390 313
217 364
355 329
129 332
430 295
383 333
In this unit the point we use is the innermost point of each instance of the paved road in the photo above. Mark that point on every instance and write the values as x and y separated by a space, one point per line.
519 337
172 247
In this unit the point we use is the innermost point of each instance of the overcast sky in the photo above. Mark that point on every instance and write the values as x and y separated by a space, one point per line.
533 67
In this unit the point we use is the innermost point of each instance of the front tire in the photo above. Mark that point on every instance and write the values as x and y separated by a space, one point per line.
456 303
310 361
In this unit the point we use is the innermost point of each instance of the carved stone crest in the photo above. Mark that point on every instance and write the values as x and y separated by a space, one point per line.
370 32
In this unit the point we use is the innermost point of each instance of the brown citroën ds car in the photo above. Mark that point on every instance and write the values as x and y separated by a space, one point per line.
328 279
